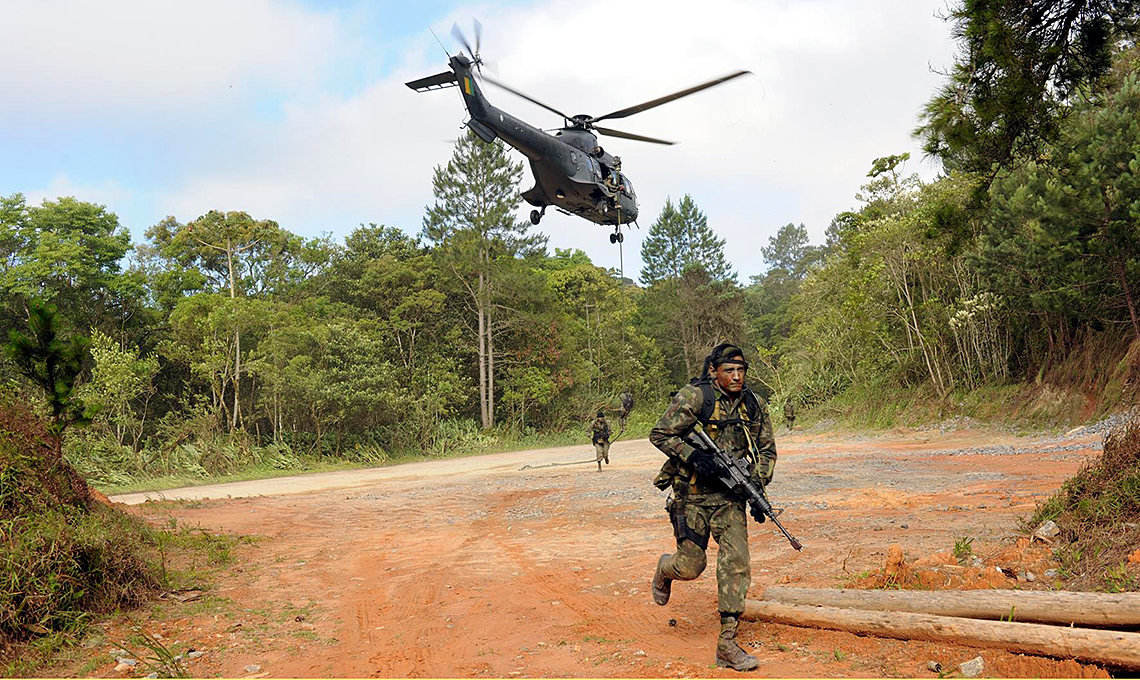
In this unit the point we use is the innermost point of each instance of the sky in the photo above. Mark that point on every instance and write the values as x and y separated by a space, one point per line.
297 111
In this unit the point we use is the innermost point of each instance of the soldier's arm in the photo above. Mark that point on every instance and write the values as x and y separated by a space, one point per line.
679 418
765 446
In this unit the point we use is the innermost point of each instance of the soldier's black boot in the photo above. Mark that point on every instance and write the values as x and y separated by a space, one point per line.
661 585
728 653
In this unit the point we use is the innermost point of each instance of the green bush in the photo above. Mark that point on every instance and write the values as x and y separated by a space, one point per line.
63 555
1096 511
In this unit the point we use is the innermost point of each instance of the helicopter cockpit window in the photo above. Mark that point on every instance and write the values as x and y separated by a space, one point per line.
627 186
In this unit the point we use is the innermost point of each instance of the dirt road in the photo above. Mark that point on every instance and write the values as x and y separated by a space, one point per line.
470 567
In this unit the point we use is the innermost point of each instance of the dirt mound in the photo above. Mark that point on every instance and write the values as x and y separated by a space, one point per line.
1098 514
36 478
1016 565
1036 667
64 555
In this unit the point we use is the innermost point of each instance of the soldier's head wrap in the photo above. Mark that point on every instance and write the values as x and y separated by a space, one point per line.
601 414
725 353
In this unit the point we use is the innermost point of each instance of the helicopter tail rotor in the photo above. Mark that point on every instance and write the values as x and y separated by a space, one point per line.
458 34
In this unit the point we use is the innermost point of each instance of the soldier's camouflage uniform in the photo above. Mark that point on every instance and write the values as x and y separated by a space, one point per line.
600 432
709 508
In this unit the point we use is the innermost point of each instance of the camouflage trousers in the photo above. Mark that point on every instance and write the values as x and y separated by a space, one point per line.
603 451
727 522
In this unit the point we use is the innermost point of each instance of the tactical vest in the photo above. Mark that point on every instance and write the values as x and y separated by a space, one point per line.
709 408
713 423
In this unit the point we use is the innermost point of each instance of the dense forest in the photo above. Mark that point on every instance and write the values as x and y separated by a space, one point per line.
227 340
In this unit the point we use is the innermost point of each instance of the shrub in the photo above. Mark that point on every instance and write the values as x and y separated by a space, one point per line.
1097 511
64 556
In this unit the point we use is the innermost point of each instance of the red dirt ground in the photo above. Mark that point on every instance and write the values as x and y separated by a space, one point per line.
472 567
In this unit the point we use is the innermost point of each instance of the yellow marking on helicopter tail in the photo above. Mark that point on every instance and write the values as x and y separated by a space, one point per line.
467 85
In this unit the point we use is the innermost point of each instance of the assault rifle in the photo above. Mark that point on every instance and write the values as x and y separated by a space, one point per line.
733 474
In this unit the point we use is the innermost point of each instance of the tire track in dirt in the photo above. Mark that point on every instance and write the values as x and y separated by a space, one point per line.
457 575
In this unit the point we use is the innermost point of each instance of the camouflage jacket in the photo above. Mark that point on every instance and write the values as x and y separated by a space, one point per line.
600 430
681 416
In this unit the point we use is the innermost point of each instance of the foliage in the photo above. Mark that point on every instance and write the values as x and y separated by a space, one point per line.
231 345
51 364
1094 510
1063 239
120 388
1020 64
679 239
66 253
479 242
64 556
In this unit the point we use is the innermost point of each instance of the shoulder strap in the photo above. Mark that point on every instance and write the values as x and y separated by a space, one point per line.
708 399
752 403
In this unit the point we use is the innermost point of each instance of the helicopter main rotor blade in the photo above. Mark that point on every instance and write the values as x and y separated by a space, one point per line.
478 35
458 35
629 135
530 99
668 98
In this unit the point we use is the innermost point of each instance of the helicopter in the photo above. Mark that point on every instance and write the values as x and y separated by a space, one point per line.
571 170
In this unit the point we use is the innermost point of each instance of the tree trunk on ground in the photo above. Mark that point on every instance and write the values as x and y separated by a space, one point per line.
1083 644
1063 608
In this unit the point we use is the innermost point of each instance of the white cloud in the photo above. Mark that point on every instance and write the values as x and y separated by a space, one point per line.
836 84
74 60
109 193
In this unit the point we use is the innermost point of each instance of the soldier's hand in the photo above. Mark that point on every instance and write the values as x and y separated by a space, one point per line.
704 464
756 513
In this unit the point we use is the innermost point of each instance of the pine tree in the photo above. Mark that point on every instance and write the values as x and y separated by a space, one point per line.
51 364
679 239
472 222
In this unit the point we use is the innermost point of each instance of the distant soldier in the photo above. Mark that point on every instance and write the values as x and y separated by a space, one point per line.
626 404
614 179
626 400
790 412
601 436
738 421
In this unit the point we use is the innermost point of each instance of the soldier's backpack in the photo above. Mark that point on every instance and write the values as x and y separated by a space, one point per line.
708 404
670 472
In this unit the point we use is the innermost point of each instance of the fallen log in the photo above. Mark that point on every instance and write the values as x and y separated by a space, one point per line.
1064 608
1105 647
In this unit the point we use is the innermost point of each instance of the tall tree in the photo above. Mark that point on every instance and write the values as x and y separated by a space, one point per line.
473 223
52 364
1019 65
1064 236
65 252
681 238
791 251
221 246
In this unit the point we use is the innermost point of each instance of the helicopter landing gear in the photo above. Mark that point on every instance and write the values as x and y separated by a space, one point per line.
536 216
617 236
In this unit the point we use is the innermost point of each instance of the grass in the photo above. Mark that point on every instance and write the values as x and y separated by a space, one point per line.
963 549
158 659
1093 510
69 559
499 441
176 481
1094 381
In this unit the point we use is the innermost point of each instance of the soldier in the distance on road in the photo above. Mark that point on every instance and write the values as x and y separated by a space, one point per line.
600 433
738 421
790 412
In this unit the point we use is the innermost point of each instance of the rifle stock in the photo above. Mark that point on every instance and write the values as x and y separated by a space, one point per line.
734 475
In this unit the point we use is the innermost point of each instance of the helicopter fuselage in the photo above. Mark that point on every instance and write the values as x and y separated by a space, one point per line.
571 171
